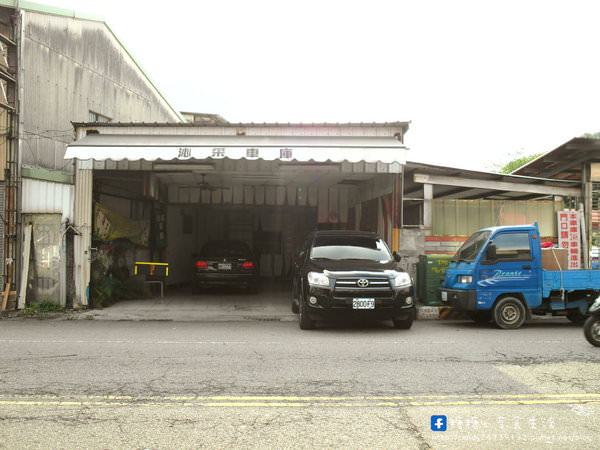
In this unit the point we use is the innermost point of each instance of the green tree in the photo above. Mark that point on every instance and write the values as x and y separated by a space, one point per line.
595 135
518 160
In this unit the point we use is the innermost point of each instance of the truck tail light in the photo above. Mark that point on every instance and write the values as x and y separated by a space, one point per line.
201 265
248 265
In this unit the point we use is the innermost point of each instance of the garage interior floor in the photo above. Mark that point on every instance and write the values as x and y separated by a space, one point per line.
273 302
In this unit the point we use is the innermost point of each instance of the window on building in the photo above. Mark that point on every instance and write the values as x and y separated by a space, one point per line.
95 117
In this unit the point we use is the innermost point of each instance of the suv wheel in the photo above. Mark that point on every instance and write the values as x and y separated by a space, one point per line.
295 301
295 308
403 324
306 323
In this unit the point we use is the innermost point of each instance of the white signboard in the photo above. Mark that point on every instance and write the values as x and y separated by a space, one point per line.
569 236
320 154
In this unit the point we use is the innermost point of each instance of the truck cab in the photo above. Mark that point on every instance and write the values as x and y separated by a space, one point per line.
497 275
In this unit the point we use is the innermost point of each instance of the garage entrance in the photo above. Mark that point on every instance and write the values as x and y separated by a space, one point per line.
273 233
174 188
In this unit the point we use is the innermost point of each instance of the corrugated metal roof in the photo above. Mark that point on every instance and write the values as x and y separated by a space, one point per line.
564 162
465 192
403 125
136 140
46 9
195 117
468 173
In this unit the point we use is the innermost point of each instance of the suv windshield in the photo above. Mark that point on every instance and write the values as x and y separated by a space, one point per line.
350 247
470 249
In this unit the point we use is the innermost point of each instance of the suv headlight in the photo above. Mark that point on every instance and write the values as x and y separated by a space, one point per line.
318 279
402 280
465 279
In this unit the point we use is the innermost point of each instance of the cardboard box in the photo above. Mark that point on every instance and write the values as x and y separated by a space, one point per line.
555 258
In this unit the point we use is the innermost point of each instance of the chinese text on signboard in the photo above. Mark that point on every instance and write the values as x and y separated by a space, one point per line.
568 236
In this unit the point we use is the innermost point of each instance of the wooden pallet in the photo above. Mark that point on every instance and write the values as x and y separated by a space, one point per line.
5 296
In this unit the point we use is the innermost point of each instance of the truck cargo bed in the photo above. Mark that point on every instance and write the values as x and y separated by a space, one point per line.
570 280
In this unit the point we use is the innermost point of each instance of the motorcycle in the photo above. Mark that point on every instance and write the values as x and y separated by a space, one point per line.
591 328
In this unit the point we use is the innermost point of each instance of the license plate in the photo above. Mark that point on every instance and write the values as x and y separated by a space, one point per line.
444 296
363 303
224 266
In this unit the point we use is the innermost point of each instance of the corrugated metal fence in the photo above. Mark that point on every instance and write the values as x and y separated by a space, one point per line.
463 217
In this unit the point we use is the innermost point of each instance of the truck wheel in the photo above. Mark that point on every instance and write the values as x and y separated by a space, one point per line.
509 313
576 316
591 330
480 316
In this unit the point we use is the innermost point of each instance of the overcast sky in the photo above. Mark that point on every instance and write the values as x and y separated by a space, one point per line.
480 81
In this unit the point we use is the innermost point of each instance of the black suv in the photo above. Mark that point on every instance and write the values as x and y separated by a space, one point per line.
350 274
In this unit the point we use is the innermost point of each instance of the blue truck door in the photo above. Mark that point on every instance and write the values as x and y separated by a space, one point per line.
511 266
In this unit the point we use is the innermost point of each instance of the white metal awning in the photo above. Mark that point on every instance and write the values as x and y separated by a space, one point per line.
101 147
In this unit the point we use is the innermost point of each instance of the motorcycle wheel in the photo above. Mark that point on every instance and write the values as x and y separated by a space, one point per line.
591 330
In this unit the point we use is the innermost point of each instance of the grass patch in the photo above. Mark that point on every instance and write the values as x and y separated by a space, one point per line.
45 306
108 290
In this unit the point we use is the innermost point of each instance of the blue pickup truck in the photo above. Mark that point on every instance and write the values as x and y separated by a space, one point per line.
497 275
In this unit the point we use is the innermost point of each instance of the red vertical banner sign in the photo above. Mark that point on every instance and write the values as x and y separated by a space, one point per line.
569 237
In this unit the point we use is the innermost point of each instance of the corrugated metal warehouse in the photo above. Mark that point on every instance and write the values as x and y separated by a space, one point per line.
199 182
57 66
180 184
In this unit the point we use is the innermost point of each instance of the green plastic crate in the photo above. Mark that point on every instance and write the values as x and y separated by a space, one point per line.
430 273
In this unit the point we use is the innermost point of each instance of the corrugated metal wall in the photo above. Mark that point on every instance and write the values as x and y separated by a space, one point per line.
71 67
82 217
464 217
47 197
332 202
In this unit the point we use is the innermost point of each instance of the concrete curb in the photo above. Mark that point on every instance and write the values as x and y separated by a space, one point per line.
423 313
439 313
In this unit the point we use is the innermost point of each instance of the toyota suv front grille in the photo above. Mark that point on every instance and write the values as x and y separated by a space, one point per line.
360 283
363 287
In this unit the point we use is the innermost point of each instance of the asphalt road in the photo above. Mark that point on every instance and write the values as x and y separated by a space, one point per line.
263 384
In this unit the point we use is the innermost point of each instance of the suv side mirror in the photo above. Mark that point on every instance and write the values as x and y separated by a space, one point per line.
396 256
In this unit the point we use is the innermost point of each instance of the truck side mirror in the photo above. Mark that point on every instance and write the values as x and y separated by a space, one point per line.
396 256
490 253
